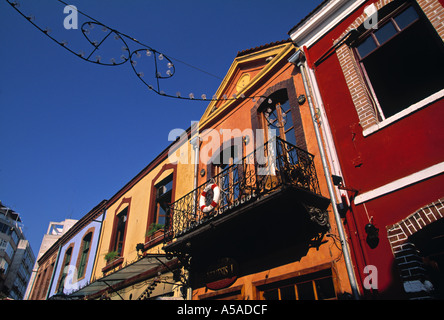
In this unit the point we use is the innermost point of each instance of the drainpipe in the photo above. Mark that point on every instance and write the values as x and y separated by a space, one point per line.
195 142
298 59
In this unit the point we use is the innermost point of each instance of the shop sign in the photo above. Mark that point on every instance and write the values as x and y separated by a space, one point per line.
222 274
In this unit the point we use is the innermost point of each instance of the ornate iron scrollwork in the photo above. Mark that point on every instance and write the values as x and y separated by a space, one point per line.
274 165
317 215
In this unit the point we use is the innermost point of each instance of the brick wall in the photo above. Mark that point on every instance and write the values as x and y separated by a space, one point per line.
407 258
362 98
434 10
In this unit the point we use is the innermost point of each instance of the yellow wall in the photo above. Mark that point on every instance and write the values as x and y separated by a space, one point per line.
138 196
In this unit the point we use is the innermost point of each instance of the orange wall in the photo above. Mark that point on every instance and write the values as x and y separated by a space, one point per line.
239 117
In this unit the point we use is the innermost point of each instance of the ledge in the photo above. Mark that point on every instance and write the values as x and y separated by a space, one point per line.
113 264
400 183
154 239
414 107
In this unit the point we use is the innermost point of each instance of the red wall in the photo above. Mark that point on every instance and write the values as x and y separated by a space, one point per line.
409 145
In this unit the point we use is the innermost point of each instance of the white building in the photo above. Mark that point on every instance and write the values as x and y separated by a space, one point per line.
55 231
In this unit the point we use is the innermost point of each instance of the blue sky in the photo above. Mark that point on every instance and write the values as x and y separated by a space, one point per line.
72 133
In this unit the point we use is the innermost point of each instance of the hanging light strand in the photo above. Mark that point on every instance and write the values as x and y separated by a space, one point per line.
157 57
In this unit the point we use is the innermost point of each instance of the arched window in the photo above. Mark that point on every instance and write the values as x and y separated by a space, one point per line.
64 270
227 173
119 231
277 117
164 192
84 254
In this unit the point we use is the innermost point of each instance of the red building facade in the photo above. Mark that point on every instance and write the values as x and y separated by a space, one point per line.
376 73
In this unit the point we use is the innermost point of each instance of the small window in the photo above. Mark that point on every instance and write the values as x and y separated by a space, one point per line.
314 286
402 60
9 251
120 225
164 190
3 266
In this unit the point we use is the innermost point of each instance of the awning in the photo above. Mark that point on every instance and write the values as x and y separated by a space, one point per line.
144 264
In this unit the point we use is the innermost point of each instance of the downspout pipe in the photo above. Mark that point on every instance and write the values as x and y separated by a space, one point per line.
195 142
298 59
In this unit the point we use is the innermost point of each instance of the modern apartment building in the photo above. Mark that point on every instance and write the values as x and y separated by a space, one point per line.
16 256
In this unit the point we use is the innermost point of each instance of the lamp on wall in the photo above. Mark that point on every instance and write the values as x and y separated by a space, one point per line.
301 99
372 235
338 181
139 247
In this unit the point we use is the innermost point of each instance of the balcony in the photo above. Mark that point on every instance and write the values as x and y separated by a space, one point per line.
267 173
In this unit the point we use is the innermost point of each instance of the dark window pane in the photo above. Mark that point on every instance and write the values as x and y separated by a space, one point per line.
120 230
288 293
365 47
163 198
271 294
385 32
161 218
285 106
406 17
169 185
325 288
392 74
305 291
164 186
290 137
288 120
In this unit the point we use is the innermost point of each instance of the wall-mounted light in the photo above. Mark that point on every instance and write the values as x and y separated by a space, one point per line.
372 235
139 247
301 99
337 180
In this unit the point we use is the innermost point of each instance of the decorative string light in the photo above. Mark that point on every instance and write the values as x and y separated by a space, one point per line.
158 58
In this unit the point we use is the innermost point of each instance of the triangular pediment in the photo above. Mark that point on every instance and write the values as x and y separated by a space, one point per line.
247 71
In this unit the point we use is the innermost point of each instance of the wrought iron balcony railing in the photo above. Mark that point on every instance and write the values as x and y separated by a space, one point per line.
274 165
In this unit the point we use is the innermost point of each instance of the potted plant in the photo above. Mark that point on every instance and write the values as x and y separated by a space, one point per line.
153 228
154 234
113 259
111 256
